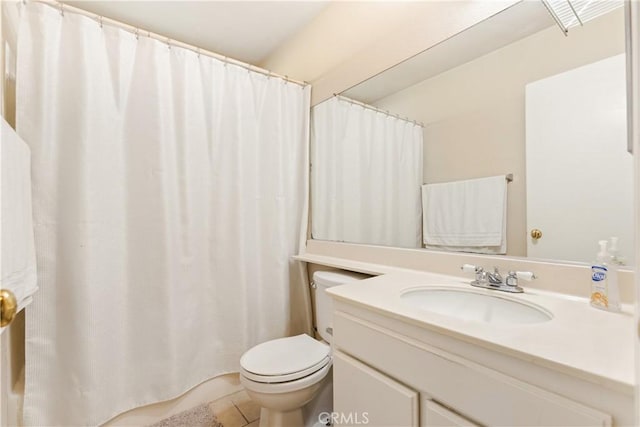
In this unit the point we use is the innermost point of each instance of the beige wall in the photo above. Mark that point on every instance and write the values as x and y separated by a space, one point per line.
2 42
474 113
352 41
8 36
342 28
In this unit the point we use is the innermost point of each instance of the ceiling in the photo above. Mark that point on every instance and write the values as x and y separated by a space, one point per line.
245 30
518 21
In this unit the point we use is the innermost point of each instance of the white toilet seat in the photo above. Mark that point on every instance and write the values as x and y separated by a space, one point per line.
271 379
289 386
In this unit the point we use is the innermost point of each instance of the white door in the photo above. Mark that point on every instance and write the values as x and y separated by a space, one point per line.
632 15
579 173
4 381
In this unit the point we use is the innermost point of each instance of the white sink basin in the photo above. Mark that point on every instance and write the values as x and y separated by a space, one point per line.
470 305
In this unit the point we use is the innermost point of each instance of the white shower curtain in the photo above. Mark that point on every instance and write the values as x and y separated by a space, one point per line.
366 176
168 198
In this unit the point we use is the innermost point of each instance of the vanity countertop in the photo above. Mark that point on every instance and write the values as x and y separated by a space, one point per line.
580 340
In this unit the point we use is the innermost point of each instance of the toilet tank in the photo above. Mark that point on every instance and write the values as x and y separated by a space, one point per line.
323 303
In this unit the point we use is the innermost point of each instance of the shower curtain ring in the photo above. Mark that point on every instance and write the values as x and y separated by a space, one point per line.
137 34
100 21
61 9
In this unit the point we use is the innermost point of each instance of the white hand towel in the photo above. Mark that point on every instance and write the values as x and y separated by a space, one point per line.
18 268
466 215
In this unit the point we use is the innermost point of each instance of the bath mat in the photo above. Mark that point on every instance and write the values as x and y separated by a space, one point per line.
200 416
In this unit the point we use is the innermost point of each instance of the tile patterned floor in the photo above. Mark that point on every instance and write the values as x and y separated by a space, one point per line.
235 410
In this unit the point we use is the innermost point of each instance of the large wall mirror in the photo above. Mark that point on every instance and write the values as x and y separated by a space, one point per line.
510 123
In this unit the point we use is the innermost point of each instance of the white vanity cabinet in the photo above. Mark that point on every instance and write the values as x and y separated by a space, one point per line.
403 375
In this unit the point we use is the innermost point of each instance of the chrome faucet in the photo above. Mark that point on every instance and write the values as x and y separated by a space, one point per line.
495 278
495 281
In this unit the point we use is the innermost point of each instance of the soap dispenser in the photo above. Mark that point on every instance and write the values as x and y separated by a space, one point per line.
604 281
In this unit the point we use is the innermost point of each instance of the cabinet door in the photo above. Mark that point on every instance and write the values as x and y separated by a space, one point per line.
364 396
436 415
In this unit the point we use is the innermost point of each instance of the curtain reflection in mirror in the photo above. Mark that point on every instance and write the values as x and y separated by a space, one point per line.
366 175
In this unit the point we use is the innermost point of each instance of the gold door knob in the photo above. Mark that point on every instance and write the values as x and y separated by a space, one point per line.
536 234
8 307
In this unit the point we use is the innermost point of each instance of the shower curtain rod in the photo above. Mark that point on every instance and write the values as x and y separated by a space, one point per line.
376 109
170 42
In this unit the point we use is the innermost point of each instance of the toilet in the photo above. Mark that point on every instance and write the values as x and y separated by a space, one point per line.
285 374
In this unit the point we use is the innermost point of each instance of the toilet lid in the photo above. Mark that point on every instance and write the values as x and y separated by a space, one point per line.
285 356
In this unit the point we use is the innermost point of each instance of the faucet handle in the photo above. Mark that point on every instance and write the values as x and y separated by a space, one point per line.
469 268
481 275
512 278
526 275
